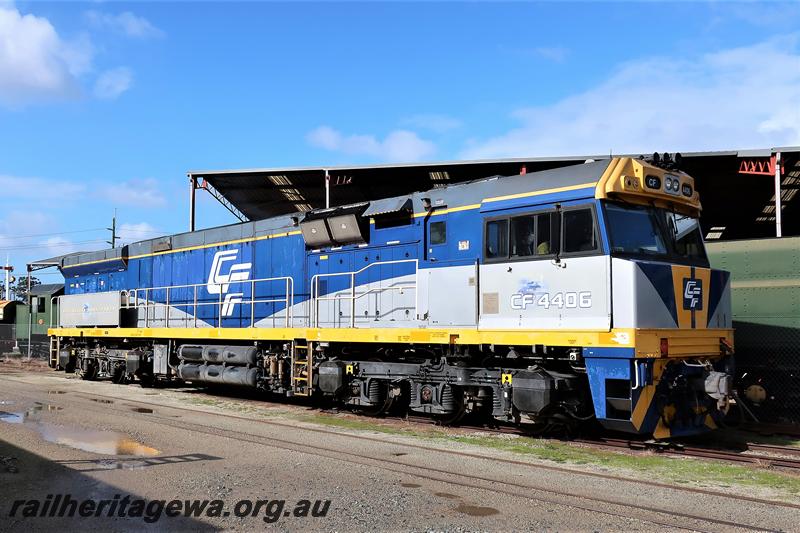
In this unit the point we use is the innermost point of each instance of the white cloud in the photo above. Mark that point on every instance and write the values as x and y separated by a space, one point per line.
433 122
55 246
39 189
129 233
556 54
35 62
125 23
139 193
738 98
399 145
112 83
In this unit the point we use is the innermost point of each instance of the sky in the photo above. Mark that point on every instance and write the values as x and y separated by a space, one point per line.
105 106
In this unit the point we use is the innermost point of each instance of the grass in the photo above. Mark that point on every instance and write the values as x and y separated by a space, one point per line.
663 468
652 466
666 469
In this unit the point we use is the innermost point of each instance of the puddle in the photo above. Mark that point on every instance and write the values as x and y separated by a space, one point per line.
89 440
100 400
142 410
31 413
410 485
475 510
448 496
12 418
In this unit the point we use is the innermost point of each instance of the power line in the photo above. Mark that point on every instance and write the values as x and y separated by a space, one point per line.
50 245
53 234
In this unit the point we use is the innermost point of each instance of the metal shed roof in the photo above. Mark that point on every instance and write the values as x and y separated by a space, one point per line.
257 193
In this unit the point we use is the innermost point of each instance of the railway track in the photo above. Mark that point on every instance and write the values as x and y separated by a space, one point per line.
777 459
666 518
730 456
546 494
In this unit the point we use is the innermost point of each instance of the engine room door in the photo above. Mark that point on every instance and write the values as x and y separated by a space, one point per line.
334 308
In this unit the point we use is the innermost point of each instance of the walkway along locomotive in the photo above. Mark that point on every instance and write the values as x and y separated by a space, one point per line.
548 298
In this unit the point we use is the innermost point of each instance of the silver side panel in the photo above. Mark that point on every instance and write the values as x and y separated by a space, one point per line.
637 304
574 294
93 309
451 296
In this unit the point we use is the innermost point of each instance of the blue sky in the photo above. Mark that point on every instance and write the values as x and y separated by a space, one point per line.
106 105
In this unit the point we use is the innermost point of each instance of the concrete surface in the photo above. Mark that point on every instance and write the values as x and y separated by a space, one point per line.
60 435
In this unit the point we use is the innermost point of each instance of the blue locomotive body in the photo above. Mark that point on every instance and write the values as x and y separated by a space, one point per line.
558 296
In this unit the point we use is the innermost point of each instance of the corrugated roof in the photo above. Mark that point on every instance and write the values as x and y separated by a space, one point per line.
258 193
47 288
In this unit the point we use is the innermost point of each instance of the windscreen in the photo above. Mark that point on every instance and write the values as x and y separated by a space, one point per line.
654 233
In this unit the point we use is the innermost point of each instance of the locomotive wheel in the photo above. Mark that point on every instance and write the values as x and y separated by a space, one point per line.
453 418
88 374
119 377
377 410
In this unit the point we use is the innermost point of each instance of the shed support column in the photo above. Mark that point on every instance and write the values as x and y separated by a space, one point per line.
192 189
30 312
327 189
778 230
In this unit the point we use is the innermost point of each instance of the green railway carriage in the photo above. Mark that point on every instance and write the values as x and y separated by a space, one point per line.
766 314
41 314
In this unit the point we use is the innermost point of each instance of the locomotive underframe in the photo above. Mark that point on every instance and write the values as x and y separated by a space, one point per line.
447 382
541 386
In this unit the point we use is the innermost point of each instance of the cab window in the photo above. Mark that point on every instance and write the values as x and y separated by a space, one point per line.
579 233
523 236
496 239
547 241
438 232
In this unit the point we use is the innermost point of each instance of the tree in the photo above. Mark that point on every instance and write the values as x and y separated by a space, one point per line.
20 289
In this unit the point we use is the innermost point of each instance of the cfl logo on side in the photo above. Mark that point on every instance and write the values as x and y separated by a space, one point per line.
219 283
692 294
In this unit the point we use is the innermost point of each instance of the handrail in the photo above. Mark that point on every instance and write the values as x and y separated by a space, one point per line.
141 301
316 298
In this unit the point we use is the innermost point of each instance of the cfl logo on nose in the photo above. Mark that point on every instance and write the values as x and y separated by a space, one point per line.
692 294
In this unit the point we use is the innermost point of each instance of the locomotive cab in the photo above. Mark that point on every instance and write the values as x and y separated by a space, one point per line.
679 379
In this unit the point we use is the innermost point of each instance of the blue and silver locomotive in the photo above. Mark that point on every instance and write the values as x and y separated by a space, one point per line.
549 299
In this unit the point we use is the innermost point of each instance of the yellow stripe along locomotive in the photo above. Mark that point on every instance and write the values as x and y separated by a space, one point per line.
550 299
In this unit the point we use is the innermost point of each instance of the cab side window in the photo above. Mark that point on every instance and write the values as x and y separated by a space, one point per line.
579 231
438 232
496 239
547 241
523 236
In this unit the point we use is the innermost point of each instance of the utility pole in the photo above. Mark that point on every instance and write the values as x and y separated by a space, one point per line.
9 269
113 230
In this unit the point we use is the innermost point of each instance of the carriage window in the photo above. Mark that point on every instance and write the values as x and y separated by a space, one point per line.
496 239
523 238
579 234
438 232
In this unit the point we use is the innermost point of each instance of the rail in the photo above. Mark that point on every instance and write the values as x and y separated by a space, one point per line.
353 296
224 304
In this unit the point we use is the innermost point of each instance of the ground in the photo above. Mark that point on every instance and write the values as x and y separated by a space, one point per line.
95 440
